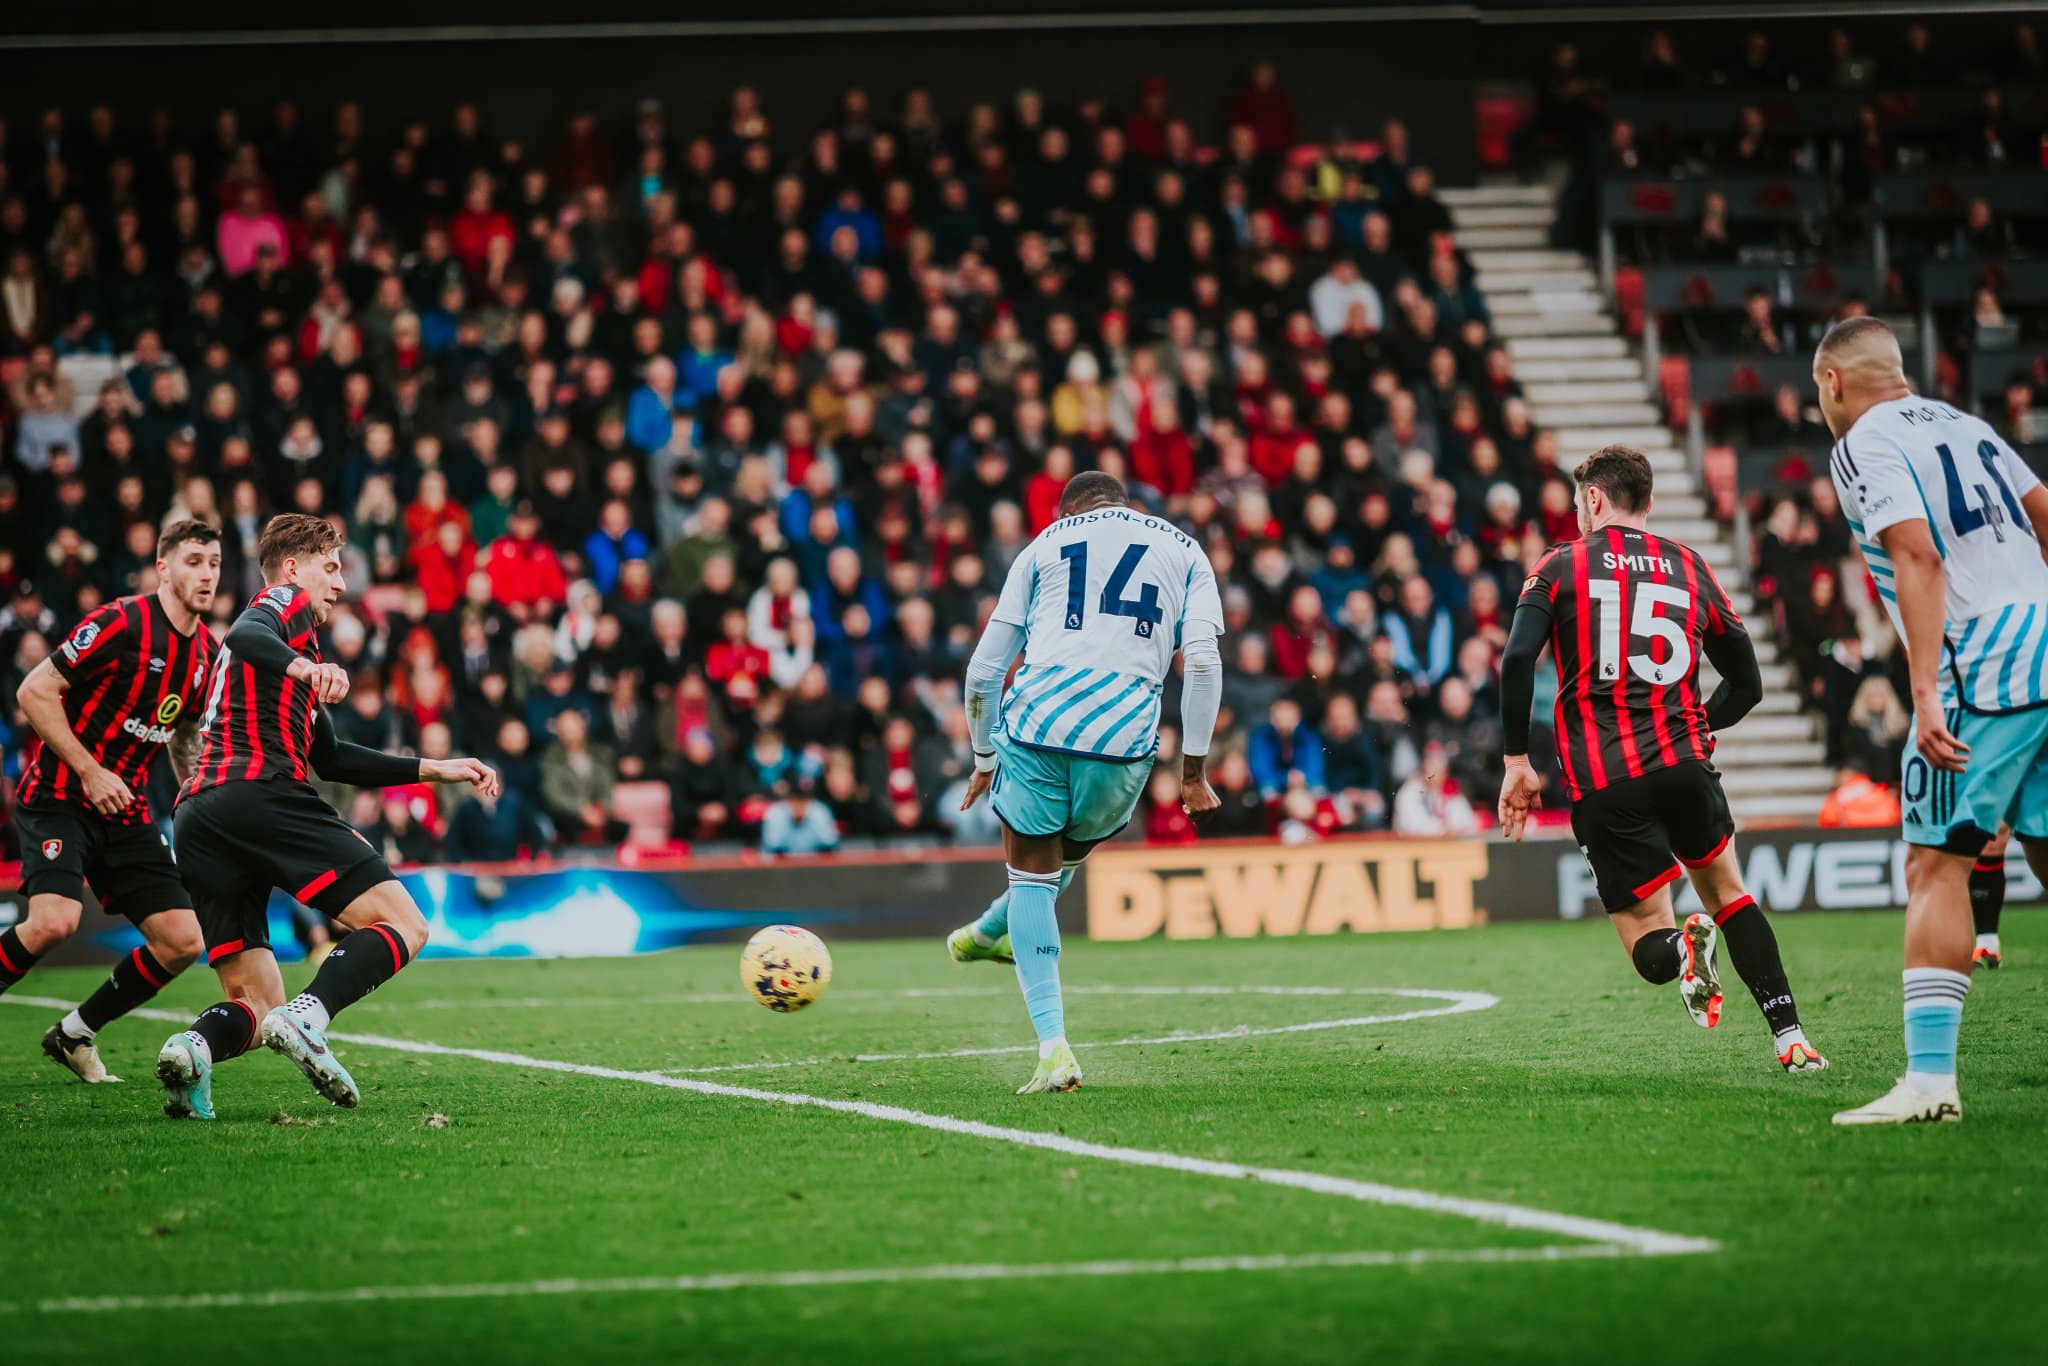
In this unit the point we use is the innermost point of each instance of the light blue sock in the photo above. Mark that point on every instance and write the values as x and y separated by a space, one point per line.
1035 940
1934 1016
995 921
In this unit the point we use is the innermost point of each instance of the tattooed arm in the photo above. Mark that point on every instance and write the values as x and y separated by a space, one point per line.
184 748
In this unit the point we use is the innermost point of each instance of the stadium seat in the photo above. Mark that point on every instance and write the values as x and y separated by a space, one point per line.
644 809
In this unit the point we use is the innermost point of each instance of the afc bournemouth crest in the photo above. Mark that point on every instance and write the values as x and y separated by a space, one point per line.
52 848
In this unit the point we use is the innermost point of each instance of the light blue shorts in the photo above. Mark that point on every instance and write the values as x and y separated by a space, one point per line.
1041 793
2006 782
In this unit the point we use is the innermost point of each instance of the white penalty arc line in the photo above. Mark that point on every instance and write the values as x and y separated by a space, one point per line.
1461 1002
1640 1241
790 1280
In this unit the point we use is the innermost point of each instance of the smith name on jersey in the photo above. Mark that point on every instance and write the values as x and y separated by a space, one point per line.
1911 458
1104 599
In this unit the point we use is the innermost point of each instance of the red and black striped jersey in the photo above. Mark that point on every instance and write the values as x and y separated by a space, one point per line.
259 724
1628 613
130 677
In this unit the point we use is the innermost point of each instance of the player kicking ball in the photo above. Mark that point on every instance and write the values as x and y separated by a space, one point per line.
125 683
1627 615
249 820
1952 526
1097 605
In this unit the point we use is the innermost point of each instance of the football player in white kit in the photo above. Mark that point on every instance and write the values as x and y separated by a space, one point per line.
1952 524
1097 604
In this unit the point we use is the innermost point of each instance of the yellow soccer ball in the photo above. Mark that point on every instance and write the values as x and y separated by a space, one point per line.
785 967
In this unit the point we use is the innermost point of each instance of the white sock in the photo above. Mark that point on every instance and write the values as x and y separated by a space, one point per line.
1784 1039
308 1008
1051 1046
199 1042
75 1027
1988 941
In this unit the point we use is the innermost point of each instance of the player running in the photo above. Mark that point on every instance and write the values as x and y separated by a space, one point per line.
1070 750
1626 615
1952 525
127 680
249 820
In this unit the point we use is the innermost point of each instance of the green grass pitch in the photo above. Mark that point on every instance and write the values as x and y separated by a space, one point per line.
704 1225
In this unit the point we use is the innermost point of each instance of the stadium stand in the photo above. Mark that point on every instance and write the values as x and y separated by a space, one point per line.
720 439
1739 203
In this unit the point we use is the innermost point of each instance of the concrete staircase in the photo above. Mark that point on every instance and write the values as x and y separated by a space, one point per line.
1582 378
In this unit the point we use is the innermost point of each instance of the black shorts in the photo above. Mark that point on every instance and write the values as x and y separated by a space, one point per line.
1636 833
129 866
240 839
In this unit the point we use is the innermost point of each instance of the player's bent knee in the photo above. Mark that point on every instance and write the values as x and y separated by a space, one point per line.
51 920
388 904
176 946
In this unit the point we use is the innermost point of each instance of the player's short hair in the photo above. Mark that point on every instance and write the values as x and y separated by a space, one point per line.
1621 472
1092 489
178 533
1850 333
294 536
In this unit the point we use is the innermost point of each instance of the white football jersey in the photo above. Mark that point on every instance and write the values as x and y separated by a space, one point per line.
1104 599
1915 458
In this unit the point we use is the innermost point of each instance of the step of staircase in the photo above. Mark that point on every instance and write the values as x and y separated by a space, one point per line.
1498 283
1553 394
1795 806
1689 530
1528 238
1510 215
1478 196
1524 258
1515 326
1776 780
1635 413
1796 729
1573 349
1733 750
1776 677
1648 437
1532 369
1544 302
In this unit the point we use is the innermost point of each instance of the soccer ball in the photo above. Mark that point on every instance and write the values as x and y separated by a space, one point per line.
785 967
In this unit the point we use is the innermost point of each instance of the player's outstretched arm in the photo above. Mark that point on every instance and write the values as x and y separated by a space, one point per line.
257 639
475 772
1923 608
999 647
41 695
338 761
1521 790
1742 684
1201 696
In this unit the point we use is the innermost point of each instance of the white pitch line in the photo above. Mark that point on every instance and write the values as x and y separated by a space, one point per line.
1641 1241
785 1280
1462 1002
703 998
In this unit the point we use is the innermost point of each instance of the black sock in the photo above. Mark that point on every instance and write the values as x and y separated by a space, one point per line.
1753 949
1658 958
1987 894
361 963
133 981
229 1029
15 961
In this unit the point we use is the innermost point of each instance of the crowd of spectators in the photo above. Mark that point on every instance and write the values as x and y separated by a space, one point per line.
1829 624
694 453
